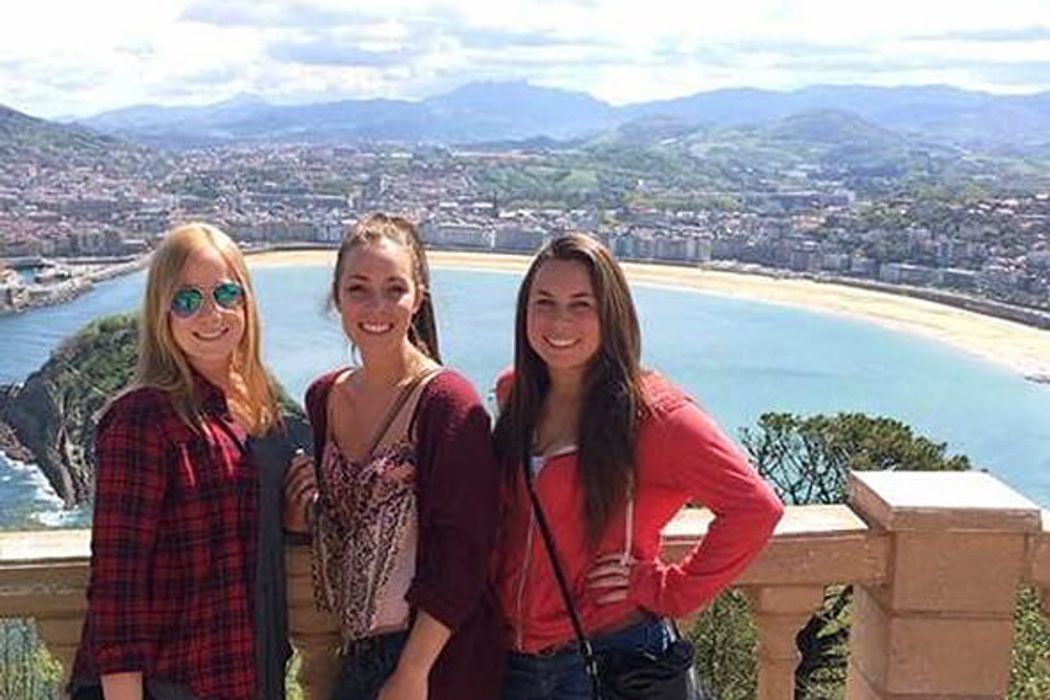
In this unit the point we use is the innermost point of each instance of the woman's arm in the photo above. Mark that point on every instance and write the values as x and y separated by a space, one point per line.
424 644
299 493
130 483
459 493
122 686
698 459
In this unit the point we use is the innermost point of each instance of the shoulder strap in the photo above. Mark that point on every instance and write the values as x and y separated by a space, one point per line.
413 421
393 412
586 651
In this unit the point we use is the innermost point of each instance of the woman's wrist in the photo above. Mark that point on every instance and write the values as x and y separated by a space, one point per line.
412 669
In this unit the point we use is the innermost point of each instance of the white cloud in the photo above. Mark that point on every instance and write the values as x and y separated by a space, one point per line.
58 57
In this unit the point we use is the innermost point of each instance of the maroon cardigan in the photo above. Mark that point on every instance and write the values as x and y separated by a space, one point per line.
457 490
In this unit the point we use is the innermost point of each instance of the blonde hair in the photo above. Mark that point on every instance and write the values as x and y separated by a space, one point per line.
162 364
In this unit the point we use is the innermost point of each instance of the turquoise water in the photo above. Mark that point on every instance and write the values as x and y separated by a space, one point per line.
738 358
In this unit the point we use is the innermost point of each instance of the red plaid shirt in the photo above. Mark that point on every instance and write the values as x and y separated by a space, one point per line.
173 549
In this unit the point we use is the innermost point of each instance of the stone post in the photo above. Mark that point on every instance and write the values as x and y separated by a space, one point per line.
941 625
780 614
44 576
1040 574
61 635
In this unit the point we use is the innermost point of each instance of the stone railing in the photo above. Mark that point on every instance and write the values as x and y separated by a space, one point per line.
935 560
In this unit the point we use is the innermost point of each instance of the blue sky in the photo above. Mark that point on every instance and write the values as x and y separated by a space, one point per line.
60 57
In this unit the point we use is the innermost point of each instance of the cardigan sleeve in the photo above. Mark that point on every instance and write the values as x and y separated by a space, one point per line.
131 480
698 459
458 496
317 408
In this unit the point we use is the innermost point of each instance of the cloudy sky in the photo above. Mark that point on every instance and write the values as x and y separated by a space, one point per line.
68 57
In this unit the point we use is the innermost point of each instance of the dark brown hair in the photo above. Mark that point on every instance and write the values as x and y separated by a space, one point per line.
422 331
612 398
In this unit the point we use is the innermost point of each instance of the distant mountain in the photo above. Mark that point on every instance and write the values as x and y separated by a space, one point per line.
517 110
936 112
799 151
501 111
832 127
148 117
27 139
474 112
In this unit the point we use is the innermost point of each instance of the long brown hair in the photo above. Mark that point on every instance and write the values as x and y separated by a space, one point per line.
162 365
612 398
422 331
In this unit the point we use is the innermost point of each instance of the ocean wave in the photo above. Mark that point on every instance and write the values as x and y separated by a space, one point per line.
27 499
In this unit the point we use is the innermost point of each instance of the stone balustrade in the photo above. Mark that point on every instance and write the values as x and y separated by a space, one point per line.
935 560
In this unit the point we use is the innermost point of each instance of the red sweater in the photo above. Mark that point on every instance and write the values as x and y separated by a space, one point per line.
458 485
681 456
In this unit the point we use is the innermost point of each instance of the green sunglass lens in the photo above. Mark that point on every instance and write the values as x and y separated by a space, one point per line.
186 302
228 295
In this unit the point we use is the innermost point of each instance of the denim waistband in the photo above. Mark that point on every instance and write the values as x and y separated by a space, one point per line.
378 644
632 625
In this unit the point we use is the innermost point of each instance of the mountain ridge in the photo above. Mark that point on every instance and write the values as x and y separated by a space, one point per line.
501 111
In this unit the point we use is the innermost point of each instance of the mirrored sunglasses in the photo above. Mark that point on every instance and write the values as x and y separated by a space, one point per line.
187 301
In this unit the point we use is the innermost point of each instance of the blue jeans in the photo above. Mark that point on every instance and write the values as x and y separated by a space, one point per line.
367 667
562 676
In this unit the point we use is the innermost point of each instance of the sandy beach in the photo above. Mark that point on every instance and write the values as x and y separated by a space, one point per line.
1014 345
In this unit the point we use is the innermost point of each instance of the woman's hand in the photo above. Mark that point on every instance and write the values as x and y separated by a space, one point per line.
300 492
404 685
610 578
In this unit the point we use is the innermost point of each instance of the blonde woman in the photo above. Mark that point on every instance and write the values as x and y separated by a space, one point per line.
186 595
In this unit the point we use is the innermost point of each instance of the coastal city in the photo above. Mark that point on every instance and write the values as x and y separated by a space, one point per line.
65 225
745 305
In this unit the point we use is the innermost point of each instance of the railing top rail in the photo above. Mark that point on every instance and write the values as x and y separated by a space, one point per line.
19 548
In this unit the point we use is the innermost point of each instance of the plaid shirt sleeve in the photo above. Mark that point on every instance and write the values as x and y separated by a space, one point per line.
131 479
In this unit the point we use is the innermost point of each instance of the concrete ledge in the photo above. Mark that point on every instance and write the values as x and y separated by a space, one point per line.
901 500
812 545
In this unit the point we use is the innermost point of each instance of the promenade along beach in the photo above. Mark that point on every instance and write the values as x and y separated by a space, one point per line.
1022 348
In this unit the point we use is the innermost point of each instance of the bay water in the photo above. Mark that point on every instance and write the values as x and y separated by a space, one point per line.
739 359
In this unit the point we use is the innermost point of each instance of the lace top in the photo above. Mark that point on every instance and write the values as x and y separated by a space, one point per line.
367 527
366 538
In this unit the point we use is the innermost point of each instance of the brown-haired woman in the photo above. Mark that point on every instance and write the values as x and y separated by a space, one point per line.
404 520
186 598
614 453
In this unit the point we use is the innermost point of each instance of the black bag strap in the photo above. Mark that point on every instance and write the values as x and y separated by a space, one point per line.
590 661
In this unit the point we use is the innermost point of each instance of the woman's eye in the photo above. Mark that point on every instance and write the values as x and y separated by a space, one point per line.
544 302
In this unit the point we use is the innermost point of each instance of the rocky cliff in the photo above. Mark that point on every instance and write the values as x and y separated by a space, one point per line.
50 419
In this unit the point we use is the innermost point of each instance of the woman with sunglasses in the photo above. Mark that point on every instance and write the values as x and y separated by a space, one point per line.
612 453
186 594
404 518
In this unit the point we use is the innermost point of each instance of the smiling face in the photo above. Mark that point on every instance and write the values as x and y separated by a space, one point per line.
562 321
378 296
210 337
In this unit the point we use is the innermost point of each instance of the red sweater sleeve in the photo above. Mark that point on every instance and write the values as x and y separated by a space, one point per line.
696 458
130 483
458 500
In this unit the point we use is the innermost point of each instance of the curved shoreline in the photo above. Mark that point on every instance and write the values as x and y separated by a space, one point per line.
1009 344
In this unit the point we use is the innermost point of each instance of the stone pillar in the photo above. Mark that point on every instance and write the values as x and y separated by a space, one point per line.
61 635
1040 574
780 614
314 634
941 625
